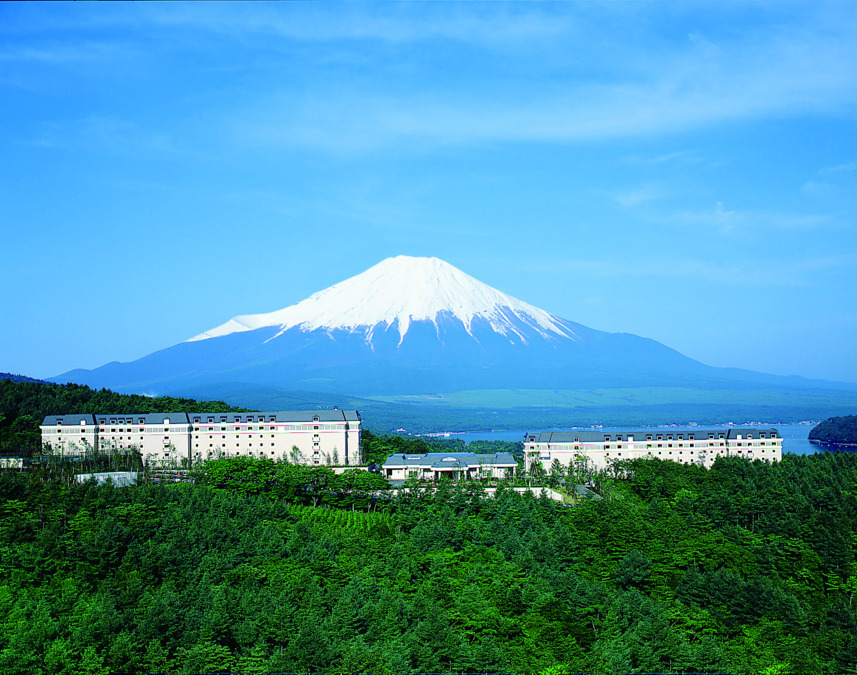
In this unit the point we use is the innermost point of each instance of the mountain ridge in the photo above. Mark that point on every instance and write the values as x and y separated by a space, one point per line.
415 326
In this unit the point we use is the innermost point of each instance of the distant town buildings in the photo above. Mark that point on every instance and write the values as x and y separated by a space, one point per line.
457 465
688 446
323 437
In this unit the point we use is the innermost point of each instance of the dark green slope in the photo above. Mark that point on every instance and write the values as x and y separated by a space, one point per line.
836 430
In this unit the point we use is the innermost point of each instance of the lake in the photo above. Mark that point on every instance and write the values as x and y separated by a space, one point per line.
794 436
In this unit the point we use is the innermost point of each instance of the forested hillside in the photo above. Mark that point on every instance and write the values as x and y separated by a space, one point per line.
24 404
745 568
836 430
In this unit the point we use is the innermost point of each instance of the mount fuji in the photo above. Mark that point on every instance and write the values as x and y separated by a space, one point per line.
410 326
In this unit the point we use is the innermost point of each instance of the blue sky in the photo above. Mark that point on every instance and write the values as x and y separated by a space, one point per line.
684 171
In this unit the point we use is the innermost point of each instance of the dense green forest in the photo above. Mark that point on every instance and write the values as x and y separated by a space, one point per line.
744 568
837 430
24 404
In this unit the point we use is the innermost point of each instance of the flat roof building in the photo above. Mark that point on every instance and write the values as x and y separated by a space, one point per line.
434 465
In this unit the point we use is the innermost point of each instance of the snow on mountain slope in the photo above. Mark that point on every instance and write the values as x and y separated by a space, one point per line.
399 291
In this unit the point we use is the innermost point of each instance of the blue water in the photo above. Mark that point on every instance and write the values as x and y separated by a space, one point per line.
794 436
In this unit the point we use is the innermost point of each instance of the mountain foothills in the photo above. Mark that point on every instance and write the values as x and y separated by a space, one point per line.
415 327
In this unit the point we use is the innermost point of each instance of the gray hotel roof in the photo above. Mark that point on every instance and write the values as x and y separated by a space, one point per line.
51 420
300 416
593 436
450 460
148 418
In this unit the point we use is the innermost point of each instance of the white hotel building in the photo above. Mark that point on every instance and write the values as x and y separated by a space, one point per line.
688 446
322 437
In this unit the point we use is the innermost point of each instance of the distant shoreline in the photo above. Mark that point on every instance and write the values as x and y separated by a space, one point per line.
834 445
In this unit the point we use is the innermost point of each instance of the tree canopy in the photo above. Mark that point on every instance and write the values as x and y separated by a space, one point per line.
263 566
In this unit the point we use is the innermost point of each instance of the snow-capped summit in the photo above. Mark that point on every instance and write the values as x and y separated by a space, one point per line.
398 291
405 326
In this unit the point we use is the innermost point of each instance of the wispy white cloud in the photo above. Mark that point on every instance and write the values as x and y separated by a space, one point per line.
637 196
105 135
682 91
57 53
502 24
818 189
679 158
791 273
726 221
524 72
848 167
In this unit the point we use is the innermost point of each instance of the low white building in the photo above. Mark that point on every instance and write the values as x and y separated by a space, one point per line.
455 465
304 437
688 446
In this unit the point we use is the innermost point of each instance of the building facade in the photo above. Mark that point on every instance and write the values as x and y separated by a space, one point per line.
454 465
323 437
689 446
